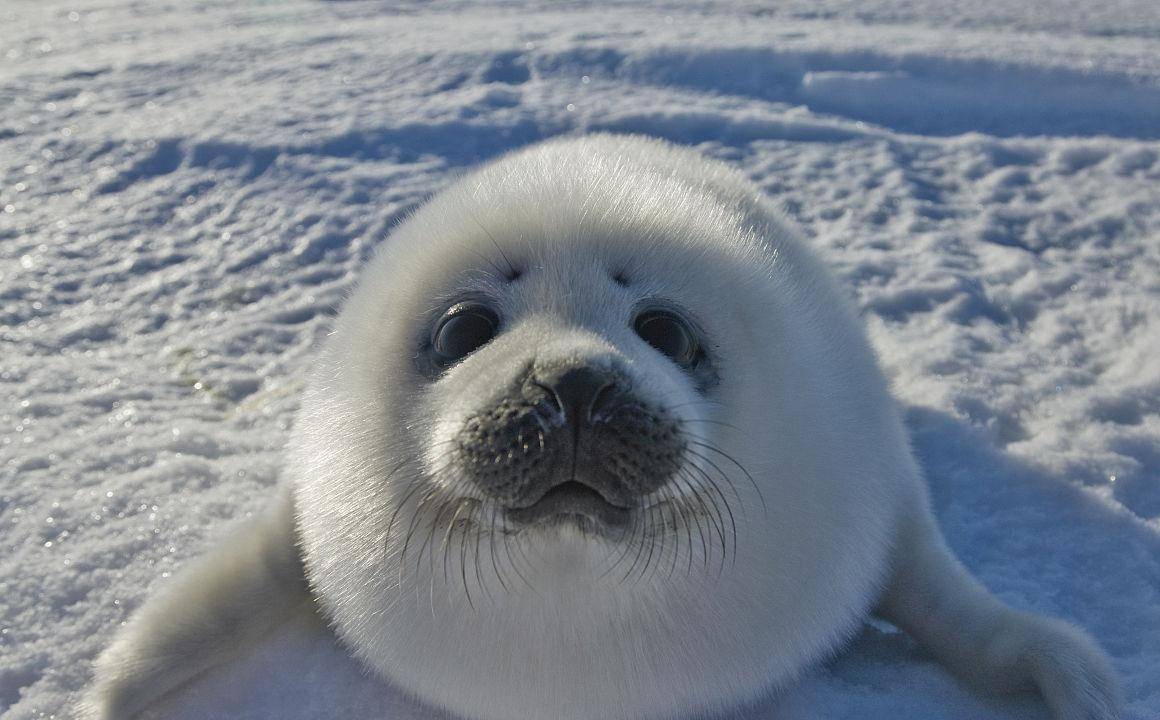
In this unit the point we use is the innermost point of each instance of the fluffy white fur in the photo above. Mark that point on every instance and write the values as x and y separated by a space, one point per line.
835 524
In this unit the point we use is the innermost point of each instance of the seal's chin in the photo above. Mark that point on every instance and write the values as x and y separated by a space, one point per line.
574 501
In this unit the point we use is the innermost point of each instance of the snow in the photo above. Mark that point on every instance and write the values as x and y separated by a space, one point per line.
188 191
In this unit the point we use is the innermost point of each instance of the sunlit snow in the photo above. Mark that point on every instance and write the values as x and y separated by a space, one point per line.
187 191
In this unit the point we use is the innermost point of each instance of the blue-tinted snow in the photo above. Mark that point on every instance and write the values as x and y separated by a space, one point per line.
187 191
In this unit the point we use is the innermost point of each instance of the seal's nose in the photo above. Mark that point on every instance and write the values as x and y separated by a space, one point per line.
570 426
577 390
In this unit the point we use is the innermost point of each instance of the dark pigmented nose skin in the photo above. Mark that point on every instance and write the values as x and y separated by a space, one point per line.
577 390
564 425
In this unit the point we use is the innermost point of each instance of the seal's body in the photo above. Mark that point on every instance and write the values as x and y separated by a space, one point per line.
598 436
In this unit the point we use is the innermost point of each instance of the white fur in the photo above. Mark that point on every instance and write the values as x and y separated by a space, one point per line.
838 521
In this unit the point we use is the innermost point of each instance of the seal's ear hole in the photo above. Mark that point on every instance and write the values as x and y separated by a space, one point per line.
620 278
669 334
464 328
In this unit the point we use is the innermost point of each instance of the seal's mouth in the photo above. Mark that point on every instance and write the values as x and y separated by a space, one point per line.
575 500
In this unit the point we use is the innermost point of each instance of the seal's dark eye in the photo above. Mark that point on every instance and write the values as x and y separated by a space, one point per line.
669 334
463 329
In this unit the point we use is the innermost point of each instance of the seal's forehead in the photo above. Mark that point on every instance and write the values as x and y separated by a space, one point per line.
568 210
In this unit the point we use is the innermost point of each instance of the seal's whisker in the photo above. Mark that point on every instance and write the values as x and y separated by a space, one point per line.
640 519
721 423
700 525
455 502
683 495
512 273
660 534
646 534
432 492
492 531
688 511
414 525
512 561
716 488
651 545
416 484
677 522
627 546
721 473
701 442
711 512
463 563
702 401
714 493
444 506
521 551
445 546
477 565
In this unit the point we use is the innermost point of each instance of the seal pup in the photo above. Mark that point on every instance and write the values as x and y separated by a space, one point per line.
598 436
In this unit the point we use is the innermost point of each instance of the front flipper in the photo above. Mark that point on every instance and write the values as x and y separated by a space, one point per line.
992 646
216 607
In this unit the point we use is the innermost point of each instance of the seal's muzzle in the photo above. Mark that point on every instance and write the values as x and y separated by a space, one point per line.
570 439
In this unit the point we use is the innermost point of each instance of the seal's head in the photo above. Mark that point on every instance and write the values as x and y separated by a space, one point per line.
580 445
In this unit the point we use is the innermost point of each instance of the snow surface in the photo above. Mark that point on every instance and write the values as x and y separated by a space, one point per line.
188 190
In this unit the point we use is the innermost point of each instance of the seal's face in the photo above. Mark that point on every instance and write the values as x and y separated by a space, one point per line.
577 447
565 433
575 436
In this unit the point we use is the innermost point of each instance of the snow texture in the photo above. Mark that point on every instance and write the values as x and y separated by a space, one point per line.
188 190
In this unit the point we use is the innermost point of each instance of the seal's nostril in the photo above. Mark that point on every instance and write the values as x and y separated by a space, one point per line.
577 389
602 398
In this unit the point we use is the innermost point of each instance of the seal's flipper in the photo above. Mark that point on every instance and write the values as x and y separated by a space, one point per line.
217 606
997 648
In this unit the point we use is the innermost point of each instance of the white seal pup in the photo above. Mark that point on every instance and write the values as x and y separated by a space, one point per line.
597 436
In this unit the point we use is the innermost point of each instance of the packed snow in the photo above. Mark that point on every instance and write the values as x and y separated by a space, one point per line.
187 192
